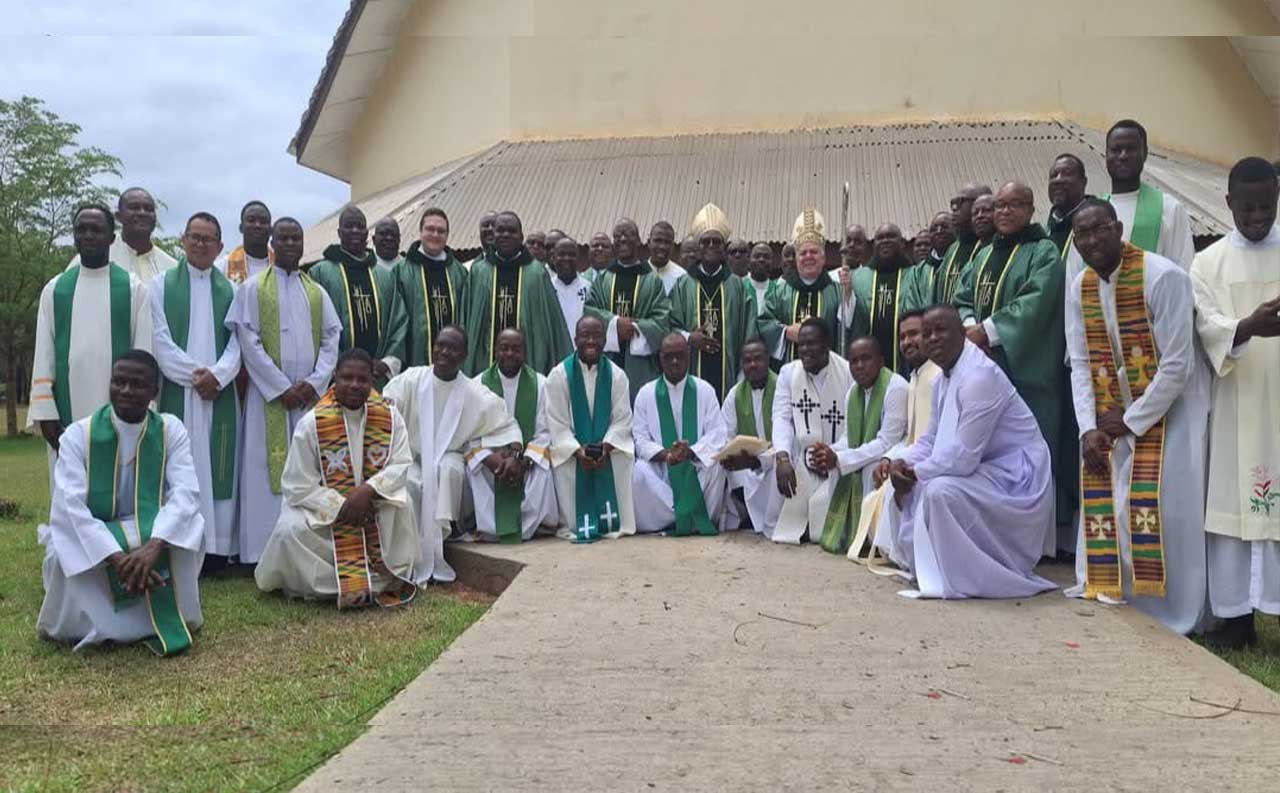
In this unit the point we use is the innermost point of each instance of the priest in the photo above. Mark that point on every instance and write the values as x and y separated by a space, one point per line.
753 495
881 292
760 276
89 315
125 535
432 286
630 300
599 254
713 308
570 287
364 295
447 416
488 219
513 509
960 254
509 289
972 504
808 409
1136 381
1011 300
133 249
1153 220
199 356
807 291
288 335
677 429
386 243
592 451
1237 292
923 286
984 221
856 250
737 254
254 254
1067 183
662 243
346 530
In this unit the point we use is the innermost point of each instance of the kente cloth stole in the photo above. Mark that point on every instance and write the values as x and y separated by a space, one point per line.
504 307
805 304
595 498
277 418
437 307
177 312
1148 217
746 409
64 291
238 264
1140 356
714 368
884 311
507 499
103 464
686 490
357 547
364 308
988 285
863 426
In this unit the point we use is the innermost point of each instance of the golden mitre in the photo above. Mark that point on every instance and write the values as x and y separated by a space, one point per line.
810 227
710 218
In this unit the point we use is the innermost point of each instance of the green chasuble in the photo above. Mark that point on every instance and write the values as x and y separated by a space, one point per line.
791 300
1068 476
368 304
863 418
688 501
918 284
103 463
177 313
723 305
881 291
1017 283
632 291
433 294
513 293
947 278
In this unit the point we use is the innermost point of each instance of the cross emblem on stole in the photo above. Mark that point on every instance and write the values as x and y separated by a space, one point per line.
622 306
884 299
439 304
362 303
806 405
711 319
986 288
1146 520
506 307
834 417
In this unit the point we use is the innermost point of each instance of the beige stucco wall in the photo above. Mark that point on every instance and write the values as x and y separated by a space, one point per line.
468 73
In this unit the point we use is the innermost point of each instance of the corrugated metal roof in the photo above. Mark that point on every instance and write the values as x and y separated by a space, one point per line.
900 173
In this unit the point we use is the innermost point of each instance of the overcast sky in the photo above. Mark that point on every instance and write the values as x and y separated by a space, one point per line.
199 98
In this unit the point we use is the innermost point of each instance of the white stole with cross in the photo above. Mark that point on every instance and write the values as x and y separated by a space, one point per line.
817 414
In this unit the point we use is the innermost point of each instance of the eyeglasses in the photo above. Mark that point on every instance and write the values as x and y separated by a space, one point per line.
201 239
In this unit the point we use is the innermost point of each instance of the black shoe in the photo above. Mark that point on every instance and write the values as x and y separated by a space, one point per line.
1236 633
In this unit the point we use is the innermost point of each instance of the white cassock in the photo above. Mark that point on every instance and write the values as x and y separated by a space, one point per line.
78 606
761 289
89 358
760 493
1178 393
807 409
572 297
1242 521
863 459
564 444
539 506
299 360
144 265
668 275
1176 243
299 557
178 365
976 521
652 482
445 419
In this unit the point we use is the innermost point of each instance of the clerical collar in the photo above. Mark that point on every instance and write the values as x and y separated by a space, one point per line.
764 280
763 384
336 253
709 279
135 251
512 380
889 265
966 237
121 423
418 256
638 266
1239 240
677 385
196 272
1032 233
1134 191
520 259
935 257
437 376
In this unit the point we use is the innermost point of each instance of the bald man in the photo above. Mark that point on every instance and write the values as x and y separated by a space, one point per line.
881 290
487 221
857 247
386 243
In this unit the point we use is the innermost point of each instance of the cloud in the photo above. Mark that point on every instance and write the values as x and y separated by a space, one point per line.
199 99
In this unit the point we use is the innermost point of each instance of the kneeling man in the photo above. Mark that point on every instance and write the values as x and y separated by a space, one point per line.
974 496
589 416
125 536
346 526
511 510
446 415
677 429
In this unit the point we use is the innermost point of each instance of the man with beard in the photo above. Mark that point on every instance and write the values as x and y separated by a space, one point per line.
628 297
880 290
1067 184
364 295
1152 219
748 410
254 254
662 241
599 254
713 307
507 288
857 248
738 255
133 249
807 291
760 270
487 221
432 285
386 243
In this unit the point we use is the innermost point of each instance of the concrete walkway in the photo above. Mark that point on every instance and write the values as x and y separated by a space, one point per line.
732 664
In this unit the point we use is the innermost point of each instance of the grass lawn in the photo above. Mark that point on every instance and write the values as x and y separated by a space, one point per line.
270 688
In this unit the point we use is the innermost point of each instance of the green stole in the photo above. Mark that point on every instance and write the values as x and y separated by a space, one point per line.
746 409
277 418
103 464
64 291
596 500
177 312
862 426
507 499
1147 217
686 491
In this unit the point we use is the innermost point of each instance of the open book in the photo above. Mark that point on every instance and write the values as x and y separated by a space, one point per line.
744 443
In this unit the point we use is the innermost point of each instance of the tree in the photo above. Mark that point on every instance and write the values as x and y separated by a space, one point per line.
44 174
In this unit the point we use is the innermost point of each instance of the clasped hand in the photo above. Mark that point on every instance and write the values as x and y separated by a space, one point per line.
136 568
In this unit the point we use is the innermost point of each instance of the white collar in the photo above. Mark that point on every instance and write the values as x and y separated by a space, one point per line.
196 272
676 386
511 381
1238 240
806 281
